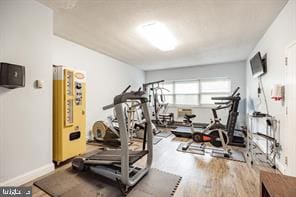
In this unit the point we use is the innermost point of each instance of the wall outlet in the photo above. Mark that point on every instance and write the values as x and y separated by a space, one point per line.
286 160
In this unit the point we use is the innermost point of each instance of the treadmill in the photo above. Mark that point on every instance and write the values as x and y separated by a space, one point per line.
117 164
236 136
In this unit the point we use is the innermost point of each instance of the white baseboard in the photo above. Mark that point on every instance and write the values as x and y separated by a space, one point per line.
29 176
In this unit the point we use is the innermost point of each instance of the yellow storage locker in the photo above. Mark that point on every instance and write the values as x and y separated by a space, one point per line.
69 121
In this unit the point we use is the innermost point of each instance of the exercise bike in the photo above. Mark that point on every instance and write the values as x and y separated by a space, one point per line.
216 137
236 136
217 134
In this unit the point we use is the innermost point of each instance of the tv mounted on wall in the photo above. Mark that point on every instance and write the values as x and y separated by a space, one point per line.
258 65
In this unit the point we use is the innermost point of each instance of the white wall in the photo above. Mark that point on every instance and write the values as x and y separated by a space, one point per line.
232 70
106 77
280 34
26 113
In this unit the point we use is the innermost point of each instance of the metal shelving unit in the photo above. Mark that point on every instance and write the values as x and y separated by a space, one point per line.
272 145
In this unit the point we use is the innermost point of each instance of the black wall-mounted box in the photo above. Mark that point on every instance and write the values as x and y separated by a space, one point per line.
12 76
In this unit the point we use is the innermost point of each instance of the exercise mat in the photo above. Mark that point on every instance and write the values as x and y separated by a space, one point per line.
187 129
70 183
164 134
236 155
156 140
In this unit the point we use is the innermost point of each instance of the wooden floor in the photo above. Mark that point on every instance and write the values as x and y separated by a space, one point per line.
201 175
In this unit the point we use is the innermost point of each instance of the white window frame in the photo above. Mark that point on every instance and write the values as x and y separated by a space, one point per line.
199 94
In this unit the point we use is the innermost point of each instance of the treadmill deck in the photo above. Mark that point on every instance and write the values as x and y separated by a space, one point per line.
114 156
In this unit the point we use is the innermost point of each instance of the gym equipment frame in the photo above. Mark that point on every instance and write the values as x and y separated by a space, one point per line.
231 102
161 118
118 164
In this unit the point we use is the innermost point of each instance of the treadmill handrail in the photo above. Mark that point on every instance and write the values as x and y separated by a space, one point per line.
222 107
108 106
153 82
125 96
124 177
228 98
126 89
235 91
222 103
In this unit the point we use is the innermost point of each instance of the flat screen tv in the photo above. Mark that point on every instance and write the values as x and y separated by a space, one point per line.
258 65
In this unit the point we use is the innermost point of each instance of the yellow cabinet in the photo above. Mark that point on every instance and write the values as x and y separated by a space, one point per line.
69 121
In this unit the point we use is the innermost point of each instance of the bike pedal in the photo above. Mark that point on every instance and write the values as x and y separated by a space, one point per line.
226 155
185 147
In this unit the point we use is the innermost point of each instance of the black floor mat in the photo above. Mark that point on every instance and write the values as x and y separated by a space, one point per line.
75 184
156 140
164 134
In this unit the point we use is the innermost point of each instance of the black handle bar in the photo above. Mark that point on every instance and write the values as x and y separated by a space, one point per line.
108 106
229 98
126 89
235 91
221 103
112 105
154 82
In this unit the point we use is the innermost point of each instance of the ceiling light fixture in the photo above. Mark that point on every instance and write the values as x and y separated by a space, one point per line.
158 35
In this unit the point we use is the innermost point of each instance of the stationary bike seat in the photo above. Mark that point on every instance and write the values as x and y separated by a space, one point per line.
189 116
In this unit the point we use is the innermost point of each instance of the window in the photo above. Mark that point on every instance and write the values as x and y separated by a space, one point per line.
214 88
186 92
196 92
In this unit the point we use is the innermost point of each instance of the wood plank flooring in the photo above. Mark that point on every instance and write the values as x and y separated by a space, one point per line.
201 175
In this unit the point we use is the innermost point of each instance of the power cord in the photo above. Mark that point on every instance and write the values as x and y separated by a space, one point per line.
261 90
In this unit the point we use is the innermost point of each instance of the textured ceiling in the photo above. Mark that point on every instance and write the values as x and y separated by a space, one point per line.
207 31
